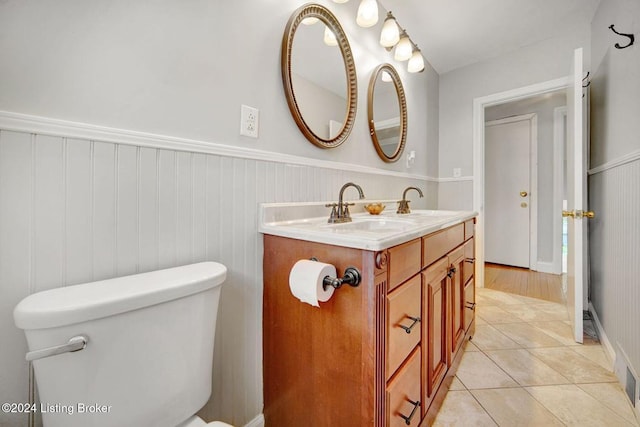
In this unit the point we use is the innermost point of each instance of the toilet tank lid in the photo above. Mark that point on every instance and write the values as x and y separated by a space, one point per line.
95 300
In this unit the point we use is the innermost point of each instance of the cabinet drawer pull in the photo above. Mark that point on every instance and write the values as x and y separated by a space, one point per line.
407 420
407 329
470 260
471 305
451 272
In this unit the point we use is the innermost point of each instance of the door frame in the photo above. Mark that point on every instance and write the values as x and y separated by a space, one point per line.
559 143
479 105
532 118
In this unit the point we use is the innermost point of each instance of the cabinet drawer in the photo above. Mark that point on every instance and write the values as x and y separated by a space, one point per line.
403 394
469 303
469 229
404 262
404 311
436 245
469 261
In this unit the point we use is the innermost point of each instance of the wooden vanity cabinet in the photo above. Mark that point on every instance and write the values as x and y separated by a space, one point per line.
381 354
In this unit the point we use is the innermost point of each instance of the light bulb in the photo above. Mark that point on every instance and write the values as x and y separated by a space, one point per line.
416 62
367 13
390 34
329 37
404 49
309 21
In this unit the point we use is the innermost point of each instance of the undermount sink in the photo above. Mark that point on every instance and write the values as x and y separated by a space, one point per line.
425 214
378 225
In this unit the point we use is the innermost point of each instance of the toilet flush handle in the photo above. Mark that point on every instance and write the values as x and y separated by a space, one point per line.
75 344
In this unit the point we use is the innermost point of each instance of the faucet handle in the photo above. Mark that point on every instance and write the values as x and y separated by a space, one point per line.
345 211
334 212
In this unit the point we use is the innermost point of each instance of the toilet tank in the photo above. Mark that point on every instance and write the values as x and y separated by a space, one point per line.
148 357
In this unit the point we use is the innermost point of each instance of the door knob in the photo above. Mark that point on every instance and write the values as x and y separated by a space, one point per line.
589 214
572 214
523 194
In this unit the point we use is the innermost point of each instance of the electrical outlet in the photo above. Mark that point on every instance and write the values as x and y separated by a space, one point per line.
457 172
249 119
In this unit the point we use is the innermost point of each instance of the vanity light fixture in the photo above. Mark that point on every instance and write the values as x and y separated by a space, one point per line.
330 38
416 62
404 48
367 13
390 34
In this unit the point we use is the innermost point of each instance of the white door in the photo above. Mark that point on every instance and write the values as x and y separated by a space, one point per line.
576 197
507 191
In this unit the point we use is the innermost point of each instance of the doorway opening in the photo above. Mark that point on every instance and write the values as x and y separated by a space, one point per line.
481 107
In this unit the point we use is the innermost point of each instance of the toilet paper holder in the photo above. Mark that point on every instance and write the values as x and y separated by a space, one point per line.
351 277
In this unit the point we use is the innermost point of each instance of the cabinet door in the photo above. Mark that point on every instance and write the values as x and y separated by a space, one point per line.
435 330
456 292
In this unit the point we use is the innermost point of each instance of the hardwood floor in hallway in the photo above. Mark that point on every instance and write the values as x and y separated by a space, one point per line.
522 281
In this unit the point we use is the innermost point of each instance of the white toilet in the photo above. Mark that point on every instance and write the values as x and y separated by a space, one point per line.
131 351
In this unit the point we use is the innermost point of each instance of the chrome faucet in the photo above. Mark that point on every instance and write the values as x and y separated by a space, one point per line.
340 211
403 205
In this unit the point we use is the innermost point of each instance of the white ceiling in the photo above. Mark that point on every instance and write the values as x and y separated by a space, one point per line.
456 33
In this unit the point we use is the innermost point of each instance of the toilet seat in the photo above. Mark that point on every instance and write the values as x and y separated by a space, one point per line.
196 421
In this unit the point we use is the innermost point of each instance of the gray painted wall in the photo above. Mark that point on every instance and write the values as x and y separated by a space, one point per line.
174 70
614 192
547 60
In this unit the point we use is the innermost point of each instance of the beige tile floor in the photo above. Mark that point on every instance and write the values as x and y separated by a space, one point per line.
523 368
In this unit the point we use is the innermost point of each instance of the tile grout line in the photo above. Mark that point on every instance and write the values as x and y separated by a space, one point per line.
562 346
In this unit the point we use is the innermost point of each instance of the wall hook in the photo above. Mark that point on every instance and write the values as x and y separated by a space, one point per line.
631 38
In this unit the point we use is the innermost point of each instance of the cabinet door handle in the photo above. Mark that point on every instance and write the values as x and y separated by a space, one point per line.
407 329
470 260
407 419
471 305
451 272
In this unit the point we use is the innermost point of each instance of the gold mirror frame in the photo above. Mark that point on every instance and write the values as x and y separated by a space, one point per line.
312 10
402 103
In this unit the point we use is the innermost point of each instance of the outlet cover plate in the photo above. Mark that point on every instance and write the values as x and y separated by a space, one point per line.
249 121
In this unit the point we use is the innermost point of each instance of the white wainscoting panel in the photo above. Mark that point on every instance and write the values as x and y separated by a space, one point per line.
614 238
75 210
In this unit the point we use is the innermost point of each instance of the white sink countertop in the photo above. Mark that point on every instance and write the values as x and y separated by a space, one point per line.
308 221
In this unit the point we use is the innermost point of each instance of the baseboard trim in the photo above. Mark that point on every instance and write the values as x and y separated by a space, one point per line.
256 422
546 267
606 344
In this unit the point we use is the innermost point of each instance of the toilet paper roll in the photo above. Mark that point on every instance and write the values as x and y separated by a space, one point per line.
305 281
